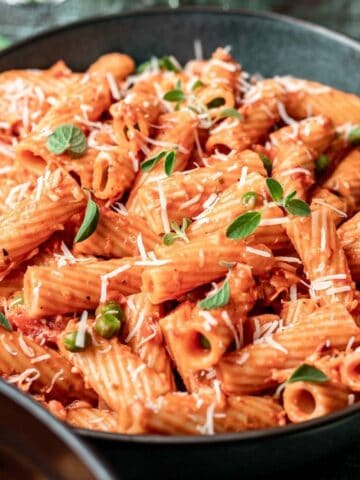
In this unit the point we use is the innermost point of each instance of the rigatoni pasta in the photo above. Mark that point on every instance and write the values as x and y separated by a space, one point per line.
179 247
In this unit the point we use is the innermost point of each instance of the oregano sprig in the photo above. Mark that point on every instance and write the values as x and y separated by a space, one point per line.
292 205
169 161
247 223
67 138
178 232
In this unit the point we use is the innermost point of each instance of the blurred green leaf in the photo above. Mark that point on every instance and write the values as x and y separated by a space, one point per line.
4 42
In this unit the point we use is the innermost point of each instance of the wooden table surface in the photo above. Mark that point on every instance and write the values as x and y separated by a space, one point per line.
18 22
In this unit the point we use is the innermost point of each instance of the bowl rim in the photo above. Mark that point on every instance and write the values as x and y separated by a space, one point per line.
343 38
60 430
246 436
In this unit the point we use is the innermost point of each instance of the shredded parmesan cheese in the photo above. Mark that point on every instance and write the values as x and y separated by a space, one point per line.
256 251
114 89
141 247
331 207
104 280
163 211
136 327
268 222
208 427
80 336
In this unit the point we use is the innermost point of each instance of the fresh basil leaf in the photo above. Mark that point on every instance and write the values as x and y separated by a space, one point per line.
4 322
218 299
196 85
150 163
266 162
354 136
248 199
169 163
308 373
216 102
275 189
243 225
175 95
322 163
67 138
204 342
230 113
297 207
90 222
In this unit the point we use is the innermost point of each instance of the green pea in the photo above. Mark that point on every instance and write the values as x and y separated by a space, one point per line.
69 341
107 325
112 308
204 342
322 164
17 300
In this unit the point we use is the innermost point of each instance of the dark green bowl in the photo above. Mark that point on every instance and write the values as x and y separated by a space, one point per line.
36 446
265 43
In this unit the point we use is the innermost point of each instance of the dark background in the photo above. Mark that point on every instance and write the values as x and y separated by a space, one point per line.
17 22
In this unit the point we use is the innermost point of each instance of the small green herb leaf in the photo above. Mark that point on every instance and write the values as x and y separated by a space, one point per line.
175 95
308 373
179 232
354 136
266 162
169 238
4 322
321 164
218 299
297 207
289 197
230 113
170 162
226 264
216 102
67 138
185 224
150 163
164 63
243 225
89 224
204 342
275 189
197 85
248 199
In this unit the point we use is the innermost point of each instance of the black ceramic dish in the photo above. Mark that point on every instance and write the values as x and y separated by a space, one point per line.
264 43
34 445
